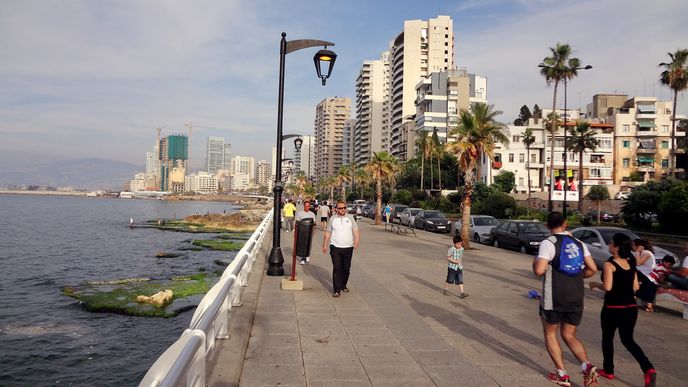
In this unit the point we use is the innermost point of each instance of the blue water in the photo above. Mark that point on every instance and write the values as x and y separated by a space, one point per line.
46 242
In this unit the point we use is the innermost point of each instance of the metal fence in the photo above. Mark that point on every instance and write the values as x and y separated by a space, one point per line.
183 363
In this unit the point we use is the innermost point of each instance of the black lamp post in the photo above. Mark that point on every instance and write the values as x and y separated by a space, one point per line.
566 115
275 259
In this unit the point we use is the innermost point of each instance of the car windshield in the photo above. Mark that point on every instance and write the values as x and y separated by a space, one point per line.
608 234
433 214
533 227
486 222
415 212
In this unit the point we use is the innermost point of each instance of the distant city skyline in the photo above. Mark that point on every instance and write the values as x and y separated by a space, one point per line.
90 79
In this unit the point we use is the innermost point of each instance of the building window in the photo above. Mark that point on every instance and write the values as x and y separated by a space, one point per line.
515 139
665 128
665 163
520 182
665 144
626 128
521 158
511 157
533 158
626 163
626 144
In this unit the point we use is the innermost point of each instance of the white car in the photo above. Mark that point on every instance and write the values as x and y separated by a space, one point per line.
621 195
408 216
480 228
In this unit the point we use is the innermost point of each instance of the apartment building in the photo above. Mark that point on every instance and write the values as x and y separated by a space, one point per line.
423 47
348 137
244 165
263 173
642 140
331 115
370 93
439 98
201 183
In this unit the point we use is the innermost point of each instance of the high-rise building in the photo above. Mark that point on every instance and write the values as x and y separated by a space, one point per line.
263 173
370 100
423 47
215 154
174 153
348 142
244 165
201 183
330 116
304 158
227 157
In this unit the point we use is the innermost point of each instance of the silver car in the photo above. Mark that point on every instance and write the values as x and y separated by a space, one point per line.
408 216
597 239
480 228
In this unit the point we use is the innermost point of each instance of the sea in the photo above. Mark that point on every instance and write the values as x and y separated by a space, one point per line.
48 242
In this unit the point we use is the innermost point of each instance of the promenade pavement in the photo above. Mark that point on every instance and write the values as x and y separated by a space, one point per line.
395 328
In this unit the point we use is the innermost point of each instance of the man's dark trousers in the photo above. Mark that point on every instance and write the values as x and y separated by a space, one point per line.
341 266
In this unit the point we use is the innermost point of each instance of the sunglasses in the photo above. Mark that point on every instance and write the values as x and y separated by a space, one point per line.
341 208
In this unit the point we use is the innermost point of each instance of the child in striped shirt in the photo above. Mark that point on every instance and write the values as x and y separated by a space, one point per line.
455 269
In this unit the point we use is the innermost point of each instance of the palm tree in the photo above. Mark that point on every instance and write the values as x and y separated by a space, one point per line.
556 68
383 166
422 146
466 150
437 150
581 138
329 183
363 180
675 76
487 131
343 177
528 139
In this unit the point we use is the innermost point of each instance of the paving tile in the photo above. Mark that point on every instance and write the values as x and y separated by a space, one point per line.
257 373
336 372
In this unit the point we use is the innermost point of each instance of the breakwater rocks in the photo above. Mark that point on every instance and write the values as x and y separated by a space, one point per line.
122 296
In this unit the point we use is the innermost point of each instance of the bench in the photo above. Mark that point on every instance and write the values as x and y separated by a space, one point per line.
675 295
399 229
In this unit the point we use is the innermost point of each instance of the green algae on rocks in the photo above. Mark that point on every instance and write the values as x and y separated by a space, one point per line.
117 297
217 244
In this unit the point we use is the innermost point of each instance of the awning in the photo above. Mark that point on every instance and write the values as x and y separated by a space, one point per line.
642 159
646 124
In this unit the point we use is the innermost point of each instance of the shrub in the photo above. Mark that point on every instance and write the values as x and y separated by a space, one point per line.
402 196
497 204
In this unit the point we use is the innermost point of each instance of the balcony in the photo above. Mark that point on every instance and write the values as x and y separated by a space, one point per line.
646 150
645 168
646 115
646 132
496 165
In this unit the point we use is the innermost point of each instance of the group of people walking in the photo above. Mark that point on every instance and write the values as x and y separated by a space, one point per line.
564 262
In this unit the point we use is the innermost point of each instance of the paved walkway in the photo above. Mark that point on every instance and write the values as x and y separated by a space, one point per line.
395 328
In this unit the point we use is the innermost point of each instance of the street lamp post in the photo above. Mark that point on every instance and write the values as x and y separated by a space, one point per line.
275 259
566 138
551 182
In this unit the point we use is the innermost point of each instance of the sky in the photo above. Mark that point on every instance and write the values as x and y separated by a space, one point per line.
82 79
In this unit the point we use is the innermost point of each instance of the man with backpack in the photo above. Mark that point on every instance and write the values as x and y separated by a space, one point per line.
564 261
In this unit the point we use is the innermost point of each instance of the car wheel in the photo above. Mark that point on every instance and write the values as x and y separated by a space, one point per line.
495 243
476 238
425 227
522 248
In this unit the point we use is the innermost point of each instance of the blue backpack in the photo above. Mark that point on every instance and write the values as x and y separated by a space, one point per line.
569 257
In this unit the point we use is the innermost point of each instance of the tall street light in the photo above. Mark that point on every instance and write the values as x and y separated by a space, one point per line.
321 59
566 114
566 138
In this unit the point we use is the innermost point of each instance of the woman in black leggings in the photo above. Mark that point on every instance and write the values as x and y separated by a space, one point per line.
620 311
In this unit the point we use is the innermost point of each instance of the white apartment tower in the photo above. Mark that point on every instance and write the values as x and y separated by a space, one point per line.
423 47
370 101
244 166
263 173
331 115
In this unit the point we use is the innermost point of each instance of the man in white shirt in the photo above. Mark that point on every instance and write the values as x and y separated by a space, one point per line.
680 277
342 238
323 213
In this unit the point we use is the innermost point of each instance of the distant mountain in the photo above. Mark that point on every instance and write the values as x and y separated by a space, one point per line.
86 173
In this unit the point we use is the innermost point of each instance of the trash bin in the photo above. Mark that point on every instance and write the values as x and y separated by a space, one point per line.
304 237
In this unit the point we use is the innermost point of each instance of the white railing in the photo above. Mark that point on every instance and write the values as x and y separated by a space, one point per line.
183 363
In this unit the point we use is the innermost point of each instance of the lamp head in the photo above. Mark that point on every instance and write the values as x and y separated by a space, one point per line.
324 58
588 67
297 143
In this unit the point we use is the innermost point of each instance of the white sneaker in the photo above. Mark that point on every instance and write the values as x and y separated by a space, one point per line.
308 259
303 262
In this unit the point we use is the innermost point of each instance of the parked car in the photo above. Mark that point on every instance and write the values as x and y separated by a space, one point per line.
408 216
524 235
432 220
597 239
480 228
369 211
351 208
604 216
395 215
621 195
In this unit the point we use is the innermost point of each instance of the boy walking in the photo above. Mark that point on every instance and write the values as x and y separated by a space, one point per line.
455 269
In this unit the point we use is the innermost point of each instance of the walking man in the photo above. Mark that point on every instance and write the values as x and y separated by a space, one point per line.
564 261
341 235
324 213
289 210
306 213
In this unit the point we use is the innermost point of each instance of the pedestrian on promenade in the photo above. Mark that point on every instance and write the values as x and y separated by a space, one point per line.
645 263
679 278
455 269
563 261
306 213
619 311
388 211
289 210
341 235
323 213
